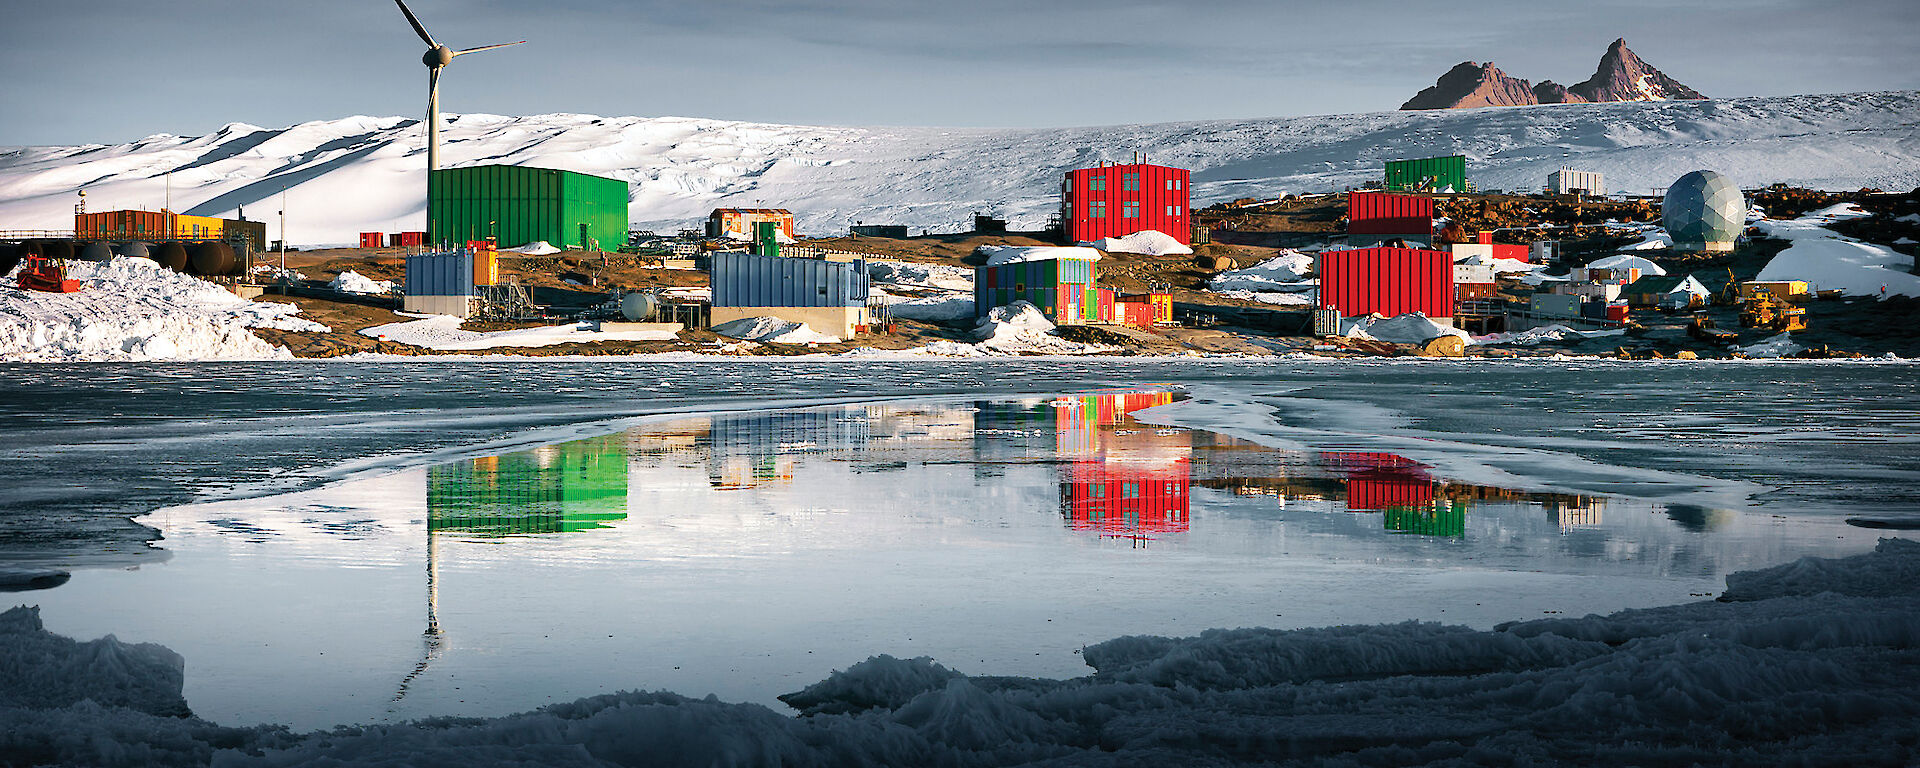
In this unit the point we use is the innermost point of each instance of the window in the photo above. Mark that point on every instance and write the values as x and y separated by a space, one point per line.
1173 184
1097 183
1130 210
1100 491
1130 182
1097 209
1129 490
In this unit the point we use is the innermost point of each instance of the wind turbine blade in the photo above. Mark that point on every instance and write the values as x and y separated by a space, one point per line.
411 19
482 48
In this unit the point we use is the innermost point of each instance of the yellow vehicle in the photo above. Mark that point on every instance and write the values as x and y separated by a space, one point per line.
1763 309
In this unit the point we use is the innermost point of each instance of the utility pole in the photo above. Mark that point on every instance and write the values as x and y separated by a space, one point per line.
283 230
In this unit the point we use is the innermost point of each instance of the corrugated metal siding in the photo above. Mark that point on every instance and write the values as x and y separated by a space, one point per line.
440 274
751 280
370 239
1434 173
1442 518
524 205
1381 213
1387 281
1163 199
1378 489
1063 289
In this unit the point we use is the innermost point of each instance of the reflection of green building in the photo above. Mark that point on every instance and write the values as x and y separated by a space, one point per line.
572 486
1441 518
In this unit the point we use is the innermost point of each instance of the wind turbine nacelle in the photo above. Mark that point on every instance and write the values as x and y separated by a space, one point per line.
437 57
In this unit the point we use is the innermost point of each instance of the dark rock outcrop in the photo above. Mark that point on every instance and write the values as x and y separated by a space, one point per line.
1621 76
1472 84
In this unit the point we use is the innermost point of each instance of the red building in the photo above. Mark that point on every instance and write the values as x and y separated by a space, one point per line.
1119 200
1387 281
1378 217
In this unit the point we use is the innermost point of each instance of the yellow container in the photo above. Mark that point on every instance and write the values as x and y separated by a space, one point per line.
1780 288
486 268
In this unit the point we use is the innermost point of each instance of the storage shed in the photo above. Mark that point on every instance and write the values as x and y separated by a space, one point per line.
439 283
1428 174
829 296
1387 281
516 205
1119 200
738 223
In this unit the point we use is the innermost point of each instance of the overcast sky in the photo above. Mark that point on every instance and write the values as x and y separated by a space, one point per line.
81 71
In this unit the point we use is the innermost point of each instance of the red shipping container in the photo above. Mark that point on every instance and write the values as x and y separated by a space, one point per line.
1386 213
1474 291
1387 281
1515 252
370 239
1484 238
1106 306
1119 200
1617 312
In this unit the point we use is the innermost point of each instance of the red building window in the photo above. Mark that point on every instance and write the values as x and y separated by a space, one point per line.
1173 184
1130 209
1097 209
1097 183
1130 182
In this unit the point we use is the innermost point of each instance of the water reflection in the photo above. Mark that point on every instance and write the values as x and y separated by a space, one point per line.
572 486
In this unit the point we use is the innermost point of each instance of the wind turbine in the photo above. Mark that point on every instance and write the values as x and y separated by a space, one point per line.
436 57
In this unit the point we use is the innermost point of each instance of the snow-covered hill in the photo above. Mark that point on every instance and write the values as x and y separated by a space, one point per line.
368 173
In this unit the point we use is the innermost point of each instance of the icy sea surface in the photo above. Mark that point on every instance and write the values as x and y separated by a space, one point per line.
373 542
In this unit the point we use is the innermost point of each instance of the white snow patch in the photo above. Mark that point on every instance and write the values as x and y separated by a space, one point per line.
1628 261
774 330
535 248
913 274
1410 328
1307 296
1555 332
1015 329
354 282
1148 242
1286 272
134 309
934 309
1778 346
1829 261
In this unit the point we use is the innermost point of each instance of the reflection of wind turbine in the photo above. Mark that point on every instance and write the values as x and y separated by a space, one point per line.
436 57
431 638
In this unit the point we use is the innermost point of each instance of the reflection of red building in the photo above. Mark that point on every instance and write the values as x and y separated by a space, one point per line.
1379 481
1127 479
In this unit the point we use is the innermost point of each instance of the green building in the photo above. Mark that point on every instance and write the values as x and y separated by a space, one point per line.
520 205
1431 174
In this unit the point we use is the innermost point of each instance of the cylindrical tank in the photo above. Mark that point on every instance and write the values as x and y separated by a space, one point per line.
171 255
1704 211
9 256
134 250
213 258
640 307
96 251
56 249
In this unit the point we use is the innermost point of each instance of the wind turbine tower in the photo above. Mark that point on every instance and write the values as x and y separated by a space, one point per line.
436 58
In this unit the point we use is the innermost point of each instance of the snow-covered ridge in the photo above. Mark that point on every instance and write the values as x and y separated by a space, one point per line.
367 173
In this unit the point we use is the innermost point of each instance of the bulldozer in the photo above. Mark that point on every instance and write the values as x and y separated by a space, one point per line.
1729 294
1765 310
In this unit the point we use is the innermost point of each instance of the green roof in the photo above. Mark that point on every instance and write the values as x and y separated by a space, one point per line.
1656 284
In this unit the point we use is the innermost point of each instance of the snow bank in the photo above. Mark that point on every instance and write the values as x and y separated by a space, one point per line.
1555 332
354 282
773 329
1306 298
1410 328
1778 346
535 248
1147 242
1008 254
1015 329
1651 240
1806 663
1286 272
1628 261
443 332
1829 261
920 275
134 309
934 309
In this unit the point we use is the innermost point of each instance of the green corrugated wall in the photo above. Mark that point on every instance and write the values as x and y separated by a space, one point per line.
522 205
1406 175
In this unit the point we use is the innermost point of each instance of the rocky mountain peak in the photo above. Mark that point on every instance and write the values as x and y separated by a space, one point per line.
1472 84
1621 76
